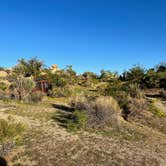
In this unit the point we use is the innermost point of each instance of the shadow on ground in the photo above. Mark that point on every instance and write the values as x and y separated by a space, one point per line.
3 161
63 107
63 115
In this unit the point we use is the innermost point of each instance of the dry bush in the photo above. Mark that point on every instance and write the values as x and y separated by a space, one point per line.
34 97
138 109
137 105
80 103
135 91
104 111
21 87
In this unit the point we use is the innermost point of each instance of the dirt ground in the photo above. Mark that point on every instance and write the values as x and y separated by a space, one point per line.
46 143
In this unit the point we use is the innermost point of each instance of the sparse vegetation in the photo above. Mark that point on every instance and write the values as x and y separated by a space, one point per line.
77 121
9 129
9 134
104 110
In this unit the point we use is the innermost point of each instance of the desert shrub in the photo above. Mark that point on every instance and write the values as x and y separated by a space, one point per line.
77 121
163 93
104 111
9 134
137 111
135 74
80 102
151 80
135 108
3 86
34 97
135 91
137 105
123 99
22 87
126 94
101 112
114 87
9 130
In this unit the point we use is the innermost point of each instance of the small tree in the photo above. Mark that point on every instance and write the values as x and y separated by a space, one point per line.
135 74
28 68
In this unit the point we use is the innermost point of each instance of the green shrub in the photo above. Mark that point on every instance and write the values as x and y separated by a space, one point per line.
77 121
135 74
123 99
9 130
113 88
3 86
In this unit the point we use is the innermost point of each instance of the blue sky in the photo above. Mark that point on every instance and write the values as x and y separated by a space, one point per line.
88 34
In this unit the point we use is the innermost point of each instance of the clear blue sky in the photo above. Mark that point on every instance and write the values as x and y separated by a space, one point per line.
89 34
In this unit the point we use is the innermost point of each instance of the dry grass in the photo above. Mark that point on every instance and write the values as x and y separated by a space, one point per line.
47 144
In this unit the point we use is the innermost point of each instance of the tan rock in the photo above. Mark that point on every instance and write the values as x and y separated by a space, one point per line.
3 74
54 68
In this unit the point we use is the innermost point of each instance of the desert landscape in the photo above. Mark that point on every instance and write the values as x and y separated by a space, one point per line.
57 117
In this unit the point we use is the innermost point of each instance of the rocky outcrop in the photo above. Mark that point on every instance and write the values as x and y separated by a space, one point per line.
54 68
